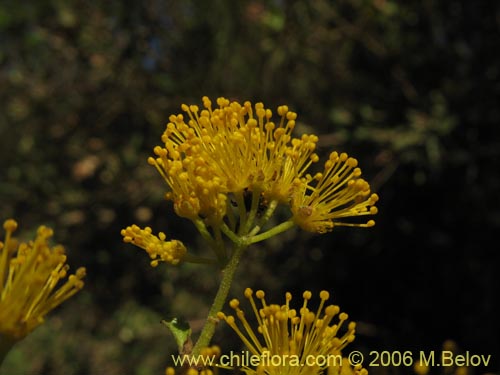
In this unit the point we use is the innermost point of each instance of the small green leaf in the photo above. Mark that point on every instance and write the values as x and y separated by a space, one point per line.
182 333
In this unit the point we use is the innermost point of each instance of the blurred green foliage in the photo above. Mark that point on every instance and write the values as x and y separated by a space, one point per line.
409 88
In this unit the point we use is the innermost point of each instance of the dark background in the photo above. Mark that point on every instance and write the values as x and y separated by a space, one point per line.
409 88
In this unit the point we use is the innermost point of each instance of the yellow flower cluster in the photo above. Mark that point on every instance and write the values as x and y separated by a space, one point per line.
229 166
337 193
213 154
29 274
158 249
297 337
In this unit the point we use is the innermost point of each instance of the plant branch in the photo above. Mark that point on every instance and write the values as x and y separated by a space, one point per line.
220 298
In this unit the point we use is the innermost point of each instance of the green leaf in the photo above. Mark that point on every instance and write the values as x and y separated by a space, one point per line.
182 333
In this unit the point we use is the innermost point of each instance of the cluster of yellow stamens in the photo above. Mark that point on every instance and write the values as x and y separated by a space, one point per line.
158 249
29 274
229 166
325 200
298 336
230 149
237 148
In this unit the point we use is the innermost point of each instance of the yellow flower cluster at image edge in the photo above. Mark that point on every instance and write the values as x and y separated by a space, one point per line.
29 276
288 333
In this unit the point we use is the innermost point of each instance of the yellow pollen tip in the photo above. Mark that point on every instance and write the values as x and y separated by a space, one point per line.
282 110
234 303
248 293
324 295
332 310
351 162
309 317
10 225
260 294
307 295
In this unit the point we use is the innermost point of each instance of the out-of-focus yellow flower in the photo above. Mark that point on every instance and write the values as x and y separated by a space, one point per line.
204 364
327 199
29 274
296 341
420 368
345 368
189 371
158 249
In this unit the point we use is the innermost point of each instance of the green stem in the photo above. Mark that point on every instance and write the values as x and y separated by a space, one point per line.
6 344
230 215
220 298
230 234
202 228
240 201
253 211
190 258
219 241
265 218
272 232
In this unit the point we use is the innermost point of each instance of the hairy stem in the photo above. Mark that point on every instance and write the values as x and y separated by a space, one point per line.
230 234
272 232
216 246
265 218
6 344
220 298
253 211
190 258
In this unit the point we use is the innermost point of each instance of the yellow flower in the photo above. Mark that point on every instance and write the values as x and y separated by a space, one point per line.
229 166
230 149
196 189
325 200
158 249
29 274
291 341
